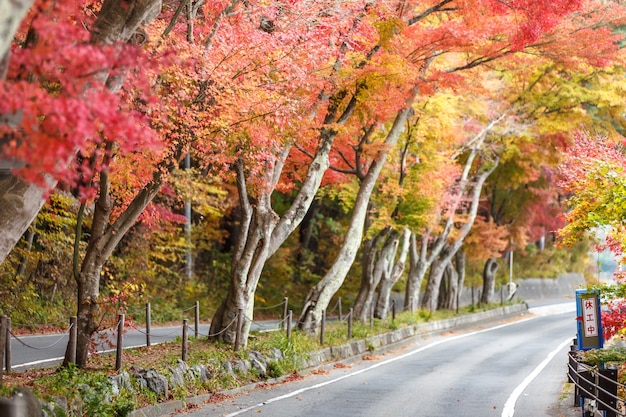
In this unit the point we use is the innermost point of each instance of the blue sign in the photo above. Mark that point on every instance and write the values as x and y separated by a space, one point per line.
589 319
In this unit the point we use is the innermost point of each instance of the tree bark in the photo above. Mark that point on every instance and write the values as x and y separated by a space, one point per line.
371 273
11 14
489 280
320 295
386 285
19 204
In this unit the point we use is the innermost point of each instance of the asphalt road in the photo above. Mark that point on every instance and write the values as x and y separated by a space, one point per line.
515 368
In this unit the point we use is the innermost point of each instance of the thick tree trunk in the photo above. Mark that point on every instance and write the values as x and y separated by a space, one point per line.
370 274
431 293
419 263
489 280
320 295
260 234
448 296
459 266
389 280
19 204
11 14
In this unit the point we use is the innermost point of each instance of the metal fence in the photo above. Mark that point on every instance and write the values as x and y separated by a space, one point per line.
596 388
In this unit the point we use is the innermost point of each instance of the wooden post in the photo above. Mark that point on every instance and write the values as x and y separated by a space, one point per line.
120 342
393 310
350 324
501 295
196 322
285 307
238 329
148 323
372 316
289 316
184 355
322 327
3 343
7 352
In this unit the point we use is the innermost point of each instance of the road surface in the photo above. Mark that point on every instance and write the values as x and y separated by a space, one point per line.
516 368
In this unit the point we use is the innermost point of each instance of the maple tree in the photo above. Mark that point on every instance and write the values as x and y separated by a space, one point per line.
238 85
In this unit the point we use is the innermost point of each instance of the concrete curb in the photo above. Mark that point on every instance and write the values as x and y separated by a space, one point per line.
351 351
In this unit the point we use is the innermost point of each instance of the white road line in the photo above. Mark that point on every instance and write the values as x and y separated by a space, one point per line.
509 405
376 365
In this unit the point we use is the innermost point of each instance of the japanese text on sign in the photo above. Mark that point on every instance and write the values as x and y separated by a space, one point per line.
590 317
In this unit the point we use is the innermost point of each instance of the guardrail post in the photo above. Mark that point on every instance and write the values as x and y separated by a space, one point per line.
184 355
393 310
350 324
3 343
322 327
148 323
285 307
196 322
501 295
7 351
372 316
120 342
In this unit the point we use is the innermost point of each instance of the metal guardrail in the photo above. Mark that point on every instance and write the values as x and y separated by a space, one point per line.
596 388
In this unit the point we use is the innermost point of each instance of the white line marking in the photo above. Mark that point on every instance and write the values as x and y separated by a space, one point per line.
509 405
376 365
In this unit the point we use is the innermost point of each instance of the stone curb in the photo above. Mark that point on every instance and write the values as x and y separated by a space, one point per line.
350 351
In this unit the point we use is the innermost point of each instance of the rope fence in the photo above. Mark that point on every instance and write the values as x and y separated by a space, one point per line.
114 333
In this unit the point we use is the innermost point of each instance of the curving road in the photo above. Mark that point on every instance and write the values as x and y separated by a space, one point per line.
515 368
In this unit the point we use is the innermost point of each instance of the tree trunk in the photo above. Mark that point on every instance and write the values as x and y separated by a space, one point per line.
320 295
419 263
371 273
431 293
11 14
260 234
389 280
19 204
489 280
450 290
103 239
459 265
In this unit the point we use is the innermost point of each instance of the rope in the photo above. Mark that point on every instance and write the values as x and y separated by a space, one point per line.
224 329
39 348
334 308
187 309
270 307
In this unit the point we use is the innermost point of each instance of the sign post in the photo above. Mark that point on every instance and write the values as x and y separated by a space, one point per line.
589 319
